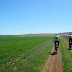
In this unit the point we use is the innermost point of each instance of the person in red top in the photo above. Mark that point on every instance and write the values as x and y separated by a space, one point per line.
70 40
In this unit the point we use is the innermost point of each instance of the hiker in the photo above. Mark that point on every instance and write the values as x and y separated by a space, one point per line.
56 40
70 40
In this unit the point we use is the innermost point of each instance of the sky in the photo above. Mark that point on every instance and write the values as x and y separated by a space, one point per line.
19 17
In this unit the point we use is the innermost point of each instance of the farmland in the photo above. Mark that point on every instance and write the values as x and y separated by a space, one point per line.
31 54
11 47
67 57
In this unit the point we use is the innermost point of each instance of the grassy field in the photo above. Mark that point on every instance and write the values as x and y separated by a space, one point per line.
33 52
66 39
66 56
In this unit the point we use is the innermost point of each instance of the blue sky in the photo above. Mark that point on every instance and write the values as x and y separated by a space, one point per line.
35 16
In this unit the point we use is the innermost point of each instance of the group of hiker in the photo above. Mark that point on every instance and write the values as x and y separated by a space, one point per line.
57 40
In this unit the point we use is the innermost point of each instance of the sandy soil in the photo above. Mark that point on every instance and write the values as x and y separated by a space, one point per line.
54 62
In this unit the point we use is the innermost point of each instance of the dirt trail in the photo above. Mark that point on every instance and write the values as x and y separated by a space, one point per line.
66 44
9 63
54 63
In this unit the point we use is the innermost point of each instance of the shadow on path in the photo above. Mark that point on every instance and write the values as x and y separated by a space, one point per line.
54 53
69 49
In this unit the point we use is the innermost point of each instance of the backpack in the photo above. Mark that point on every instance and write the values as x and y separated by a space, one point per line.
56 37
70 36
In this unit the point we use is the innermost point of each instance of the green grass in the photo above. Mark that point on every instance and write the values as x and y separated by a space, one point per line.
66 56
33 51
66 39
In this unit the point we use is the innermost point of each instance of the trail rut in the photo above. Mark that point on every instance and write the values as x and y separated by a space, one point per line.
66 44
54 63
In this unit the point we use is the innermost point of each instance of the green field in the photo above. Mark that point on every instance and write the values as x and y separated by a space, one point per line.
66 56
33 52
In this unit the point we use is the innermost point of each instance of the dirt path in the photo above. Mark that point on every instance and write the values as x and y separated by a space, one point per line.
54 63
66 44
9 63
